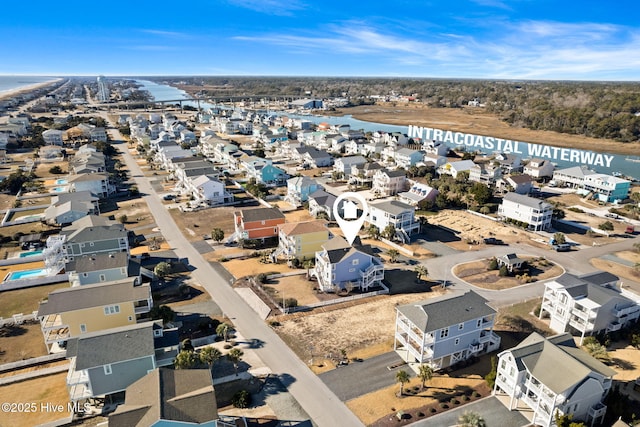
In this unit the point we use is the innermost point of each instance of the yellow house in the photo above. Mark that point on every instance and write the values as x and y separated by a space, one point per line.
70 312
302 240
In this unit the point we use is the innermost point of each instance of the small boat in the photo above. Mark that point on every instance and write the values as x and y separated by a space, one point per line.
631 159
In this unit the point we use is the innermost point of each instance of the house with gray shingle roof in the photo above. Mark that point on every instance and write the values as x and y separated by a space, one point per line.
552 376
321 204
586 305
109 361
397 214
69 207
443 331
534 212
182 397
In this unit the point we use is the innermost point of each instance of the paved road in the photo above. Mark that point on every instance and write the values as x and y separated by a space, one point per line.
319 402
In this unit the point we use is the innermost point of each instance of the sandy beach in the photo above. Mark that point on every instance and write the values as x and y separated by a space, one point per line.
26 89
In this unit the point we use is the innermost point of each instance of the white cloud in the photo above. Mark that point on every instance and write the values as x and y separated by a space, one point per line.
271 7
169 34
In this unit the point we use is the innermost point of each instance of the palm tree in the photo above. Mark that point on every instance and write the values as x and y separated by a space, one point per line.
393 255
185 360
235 356
308 264
402 377
421 270
425 373
471 419
210 355
223 330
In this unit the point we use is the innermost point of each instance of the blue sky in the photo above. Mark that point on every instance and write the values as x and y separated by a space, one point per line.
494 39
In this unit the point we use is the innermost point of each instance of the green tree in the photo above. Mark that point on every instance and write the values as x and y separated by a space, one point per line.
162 269
490 378
421 270
223 330
235 356
163 312
598 351
606 226
425 373
14 182
186 360
56 170
123 219
481 193
373 232
217 234
241 399
503 272
402 377
565 420
393 255
389 232
559 238
308 264
471 419
210 355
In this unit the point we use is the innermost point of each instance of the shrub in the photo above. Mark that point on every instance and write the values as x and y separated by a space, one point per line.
444 406
227 346
242 399
290 303
503 271
536 311
493 264
475 394
420 414
433 410
261 278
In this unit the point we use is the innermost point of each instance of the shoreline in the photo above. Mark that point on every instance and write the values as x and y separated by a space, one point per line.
26 89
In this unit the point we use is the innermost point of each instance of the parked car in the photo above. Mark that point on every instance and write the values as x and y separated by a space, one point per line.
169 197
493 241
562 247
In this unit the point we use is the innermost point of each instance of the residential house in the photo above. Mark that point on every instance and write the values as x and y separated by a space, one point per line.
98 134
606 188
406 157
299 188
301 240
528 210
581 304
487 173
109 361
70 312
510 261
50 153
520 184
210 190
539 168
97 183
53 137
508 162
553 377
315 158
572 177
260 223
343 165
176 397
443 331
263 171
363 174
66 208
397 214
419 195
388 183
101 267
433 148
354 146
321 204
455 168
341 266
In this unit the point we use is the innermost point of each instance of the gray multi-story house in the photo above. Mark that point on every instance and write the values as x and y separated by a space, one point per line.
443 331
101 267
109 361
587 304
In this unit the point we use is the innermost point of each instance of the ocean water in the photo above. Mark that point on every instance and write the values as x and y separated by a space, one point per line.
14 82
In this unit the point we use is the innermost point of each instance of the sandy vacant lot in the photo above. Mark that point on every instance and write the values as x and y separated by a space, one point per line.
478 274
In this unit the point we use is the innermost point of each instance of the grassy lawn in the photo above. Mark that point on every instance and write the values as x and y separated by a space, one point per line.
25 300
202 222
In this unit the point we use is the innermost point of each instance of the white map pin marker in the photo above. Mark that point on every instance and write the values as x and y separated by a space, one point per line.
349 222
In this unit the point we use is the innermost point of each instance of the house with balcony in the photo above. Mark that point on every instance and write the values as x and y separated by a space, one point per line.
443 331
299 188
343 165
363 174
406 157
398 214
263 171
102 267
301 240
582 305
207 189
573 177
176 397
487 173
433 148
606 188
550 376
539 168
388 183
520 184
343 267
260 223
53 137
321 204
94 234
315 158
455 168
97 183
69 312
109 361
531 211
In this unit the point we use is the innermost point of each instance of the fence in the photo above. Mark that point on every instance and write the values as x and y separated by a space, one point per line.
36 281
340 300
399 248
18 319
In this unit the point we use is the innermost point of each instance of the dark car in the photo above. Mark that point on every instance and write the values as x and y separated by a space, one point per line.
493 241
169 197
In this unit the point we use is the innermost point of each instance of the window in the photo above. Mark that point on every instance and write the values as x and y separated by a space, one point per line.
85 274
111 309
103 278
444 332
351 270
263 223
130 318
83 328
503 364
107 370
355 262
457 341
157 332
90 243
479 323
460 326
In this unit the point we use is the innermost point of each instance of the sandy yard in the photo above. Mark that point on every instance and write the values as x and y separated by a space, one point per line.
297 287
357 328
620 270
49 389
19 342
202 222
478 274
42 172
253 266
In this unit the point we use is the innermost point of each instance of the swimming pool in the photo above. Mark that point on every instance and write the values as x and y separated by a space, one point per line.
26 274
31 253
61 181
59 189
